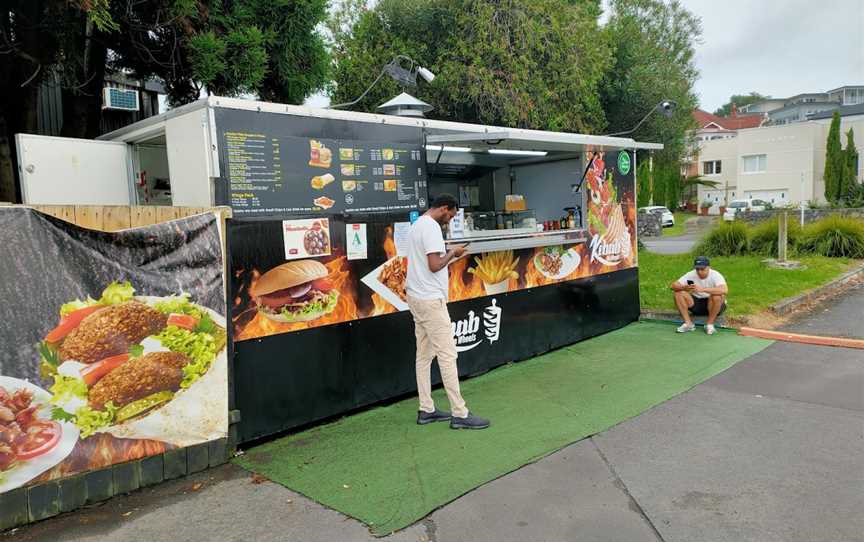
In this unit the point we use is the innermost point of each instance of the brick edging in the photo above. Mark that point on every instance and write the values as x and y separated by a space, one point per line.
785 306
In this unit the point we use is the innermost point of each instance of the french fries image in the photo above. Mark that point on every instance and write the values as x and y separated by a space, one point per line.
495 269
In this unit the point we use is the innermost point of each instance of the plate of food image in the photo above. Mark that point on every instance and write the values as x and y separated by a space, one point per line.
388 281
138 367
30 441
557 262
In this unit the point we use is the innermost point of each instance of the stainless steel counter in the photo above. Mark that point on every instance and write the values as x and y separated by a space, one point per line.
502 240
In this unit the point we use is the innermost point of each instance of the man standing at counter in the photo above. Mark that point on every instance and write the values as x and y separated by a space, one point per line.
427 285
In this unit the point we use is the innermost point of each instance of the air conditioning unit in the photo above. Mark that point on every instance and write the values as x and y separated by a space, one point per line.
120 98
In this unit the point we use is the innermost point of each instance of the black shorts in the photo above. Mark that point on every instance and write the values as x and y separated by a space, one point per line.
700 307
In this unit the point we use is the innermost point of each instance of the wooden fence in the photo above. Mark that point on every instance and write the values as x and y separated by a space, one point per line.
116 217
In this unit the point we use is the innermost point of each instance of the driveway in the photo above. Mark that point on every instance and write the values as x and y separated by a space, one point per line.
680 244
770 450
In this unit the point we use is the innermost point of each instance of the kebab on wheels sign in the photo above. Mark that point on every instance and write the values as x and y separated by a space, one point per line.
272 293
121 352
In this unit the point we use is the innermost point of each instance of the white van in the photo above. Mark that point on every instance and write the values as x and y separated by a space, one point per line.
742 206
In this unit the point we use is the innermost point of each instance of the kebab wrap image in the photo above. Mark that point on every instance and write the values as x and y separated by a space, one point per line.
138 367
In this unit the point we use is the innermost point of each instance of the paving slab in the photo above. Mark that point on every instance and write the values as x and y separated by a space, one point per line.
715 465
841 316
813 374
569 495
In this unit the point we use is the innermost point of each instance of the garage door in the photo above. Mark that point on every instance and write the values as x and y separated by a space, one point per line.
774 197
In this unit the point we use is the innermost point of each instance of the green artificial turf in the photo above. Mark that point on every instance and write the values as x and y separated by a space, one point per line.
383 469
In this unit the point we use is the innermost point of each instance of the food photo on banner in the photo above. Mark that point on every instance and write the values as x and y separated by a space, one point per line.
120 343
295 274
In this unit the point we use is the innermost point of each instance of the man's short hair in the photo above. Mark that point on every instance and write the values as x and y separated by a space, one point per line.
444 200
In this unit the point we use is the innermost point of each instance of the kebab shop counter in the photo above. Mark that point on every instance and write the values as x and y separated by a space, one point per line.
320 326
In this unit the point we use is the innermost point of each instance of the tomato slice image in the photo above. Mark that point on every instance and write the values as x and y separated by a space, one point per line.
95 371
40 439
182 320
70 322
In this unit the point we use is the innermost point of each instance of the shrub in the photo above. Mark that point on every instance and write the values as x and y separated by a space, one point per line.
834 236
763 237
727 239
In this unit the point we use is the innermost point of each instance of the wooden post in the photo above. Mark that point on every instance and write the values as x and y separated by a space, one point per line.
782 236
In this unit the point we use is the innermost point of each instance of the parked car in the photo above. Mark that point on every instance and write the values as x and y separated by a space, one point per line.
743 206
667 219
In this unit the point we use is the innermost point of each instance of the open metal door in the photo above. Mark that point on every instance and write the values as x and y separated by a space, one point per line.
67 171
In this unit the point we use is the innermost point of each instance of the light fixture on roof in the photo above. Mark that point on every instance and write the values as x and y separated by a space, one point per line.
404 70
665 108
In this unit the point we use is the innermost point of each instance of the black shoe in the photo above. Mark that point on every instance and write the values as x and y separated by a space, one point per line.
430 417
469 422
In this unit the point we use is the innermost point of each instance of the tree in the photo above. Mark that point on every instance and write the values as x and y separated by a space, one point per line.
834 161
853 188
739 100
267 47
653 60
522 63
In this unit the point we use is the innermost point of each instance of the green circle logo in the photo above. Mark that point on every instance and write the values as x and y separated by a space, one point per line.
624 162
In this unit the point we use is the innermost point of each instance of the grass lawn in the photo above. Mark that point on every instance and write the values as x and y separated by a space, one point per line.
679 228
753 287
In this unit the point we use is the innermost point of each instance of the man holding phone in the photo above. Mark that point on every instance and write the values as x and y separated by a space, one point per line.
700 292
427 285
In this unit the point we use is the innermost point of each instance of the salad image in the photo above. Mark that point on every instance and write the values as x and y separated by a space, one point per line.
136 366
30 441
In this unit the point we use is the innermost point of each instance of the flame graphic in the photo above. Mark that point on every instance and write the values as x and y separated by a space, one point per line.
100 451
464 285
346 307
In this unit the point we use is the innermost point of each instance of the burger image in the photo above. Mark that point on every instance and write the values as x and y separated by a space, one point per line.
137 366
295 292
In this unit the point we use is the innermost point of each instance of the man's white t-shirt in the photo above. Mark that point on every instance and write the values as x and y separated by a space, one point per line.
425 238
713 280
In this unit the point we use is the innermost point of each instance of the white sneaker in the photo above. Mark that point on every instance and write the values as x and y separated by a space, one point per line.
684 328
709 329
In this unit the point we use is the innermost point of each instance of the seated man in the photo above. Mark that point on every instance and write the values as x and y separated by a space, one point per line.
701 292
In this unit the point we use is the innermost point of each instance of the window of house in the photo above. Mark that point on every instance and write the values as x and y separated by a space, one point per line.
754 163
711 168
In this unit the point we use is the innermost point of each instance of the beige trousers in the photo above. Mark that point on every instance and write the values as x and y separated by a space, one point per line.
435 338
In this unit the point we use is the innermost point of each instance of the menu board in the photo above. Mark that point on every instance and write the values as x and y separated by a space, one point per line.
285 174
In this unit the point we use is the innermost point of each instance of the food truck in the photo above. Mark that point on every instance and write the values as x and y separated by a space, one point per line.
322 201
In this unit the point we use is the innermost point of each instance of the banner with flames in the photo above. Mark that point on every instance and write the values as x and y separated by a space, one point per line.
115 343
272 295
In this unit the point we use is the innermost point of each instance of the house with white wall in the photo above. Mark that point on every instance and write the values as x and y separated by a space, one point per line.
780 164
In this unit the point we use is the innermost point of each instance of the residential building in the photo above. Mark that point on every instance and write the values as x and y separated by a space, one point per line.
765 106
848 95
714 128
781 164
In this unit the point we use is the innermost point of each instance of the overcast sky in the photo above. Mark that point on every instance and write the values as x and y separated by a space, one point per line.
775 47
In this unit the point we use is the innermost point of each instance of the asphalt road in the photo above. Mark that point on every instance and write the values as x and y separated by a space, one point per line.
770 450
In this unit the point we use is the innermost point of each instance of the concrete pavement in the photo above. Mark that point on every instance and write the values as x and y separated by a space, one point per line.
770 450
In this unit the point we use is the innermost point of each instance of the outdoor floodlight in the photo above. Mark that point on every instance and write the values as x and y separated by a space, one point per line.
404 74
666 108
426 74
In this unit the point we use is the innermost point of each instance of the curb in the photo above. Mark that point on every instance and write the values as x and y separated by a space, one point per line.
785 306
817 340
673 316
